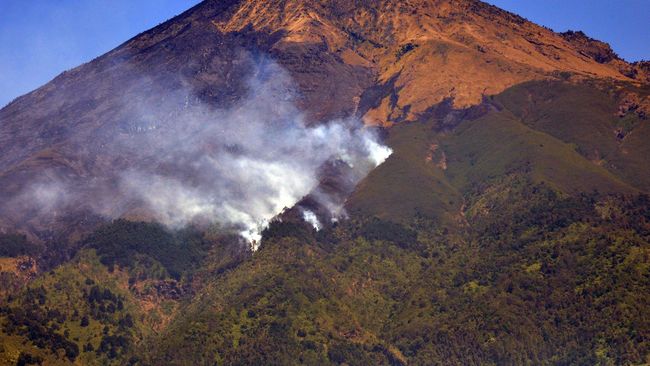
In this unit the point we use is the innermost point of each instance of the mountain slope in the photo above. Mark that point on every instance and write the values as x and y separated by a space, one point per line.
510 224
384 61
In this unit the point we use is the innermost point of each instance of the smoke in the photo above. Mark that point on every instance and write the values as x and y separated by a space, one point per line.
311 218
239 166
46 197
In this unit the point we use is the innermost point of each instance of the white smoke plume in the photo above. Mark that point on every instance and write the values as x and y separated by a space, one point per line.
311 218
240 166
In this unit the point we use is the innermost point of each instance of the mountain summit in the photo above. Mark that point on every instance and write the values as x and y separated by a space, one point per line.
331 182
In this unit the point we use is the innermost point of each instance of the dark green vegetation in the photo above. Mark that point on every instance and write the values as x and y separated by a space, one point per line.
494 238
128 244
14 245
545 279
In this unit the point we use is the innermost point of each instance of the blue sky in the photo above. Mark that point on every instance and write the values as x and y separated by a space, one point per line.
41 38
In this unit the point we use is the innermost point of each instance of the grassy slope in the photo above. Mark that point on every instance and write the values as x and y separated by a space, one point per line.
497 144
487 148
586 115
406 184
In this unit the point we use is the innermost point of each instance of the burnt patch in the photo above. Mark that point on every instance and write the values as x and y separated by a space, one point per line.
448 118
372 97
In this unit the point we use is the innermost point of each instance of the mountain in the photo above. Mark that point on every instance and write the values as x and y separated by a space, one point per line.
384 61
505 221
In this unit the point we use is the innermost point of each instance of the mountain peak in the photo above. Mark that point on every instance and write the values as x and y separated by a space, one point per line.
456 49
383 61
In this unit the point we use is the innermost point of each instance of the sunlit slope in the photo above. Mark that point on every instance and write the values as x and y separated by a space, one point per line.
592 118
545 131
498 144
409 183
